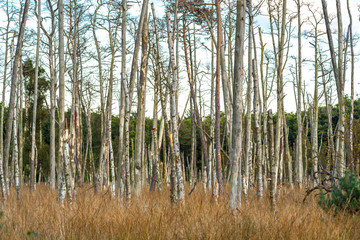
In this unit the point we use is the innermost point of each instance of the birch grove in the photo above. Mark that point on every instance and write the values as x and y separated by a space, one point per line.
125 97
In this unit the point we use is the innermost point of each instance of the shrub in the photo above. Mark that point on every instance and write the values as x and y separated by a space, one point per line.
344 195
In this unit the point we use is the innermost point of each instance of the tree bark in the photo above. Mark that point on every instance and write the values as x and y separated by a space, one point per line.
248 141
2 180
315 117
76 118
299 157
13 90
279 123
121 179
128 90
64 161
272 161
338 73
141 110
16 150
174 139
52 93
219 177
257 117
237 144
33 128
351 120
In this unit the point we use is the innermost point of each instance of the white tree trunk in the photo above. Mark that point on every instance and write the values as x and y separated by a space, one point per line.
237 144
174 139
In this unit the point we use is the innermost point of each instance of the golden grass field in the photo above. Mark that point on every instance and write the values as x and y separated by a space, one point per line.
151 216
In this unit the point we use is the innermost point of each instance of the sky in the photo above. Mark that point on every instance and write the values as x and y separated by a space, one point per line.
262 20
204 56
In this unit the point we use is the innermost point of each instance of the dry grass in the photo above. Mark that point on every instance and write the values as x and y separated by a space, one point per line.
151 216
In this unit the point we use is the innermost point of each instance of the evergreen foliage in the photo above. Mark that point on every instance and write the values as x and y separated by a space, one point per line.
345 194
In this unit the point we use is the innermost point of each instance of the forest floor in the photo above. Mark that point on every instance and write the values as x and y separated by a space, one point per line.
151 216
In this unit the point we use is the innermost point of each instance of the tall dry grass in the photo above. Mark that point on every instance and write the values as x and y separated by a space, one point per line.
151 216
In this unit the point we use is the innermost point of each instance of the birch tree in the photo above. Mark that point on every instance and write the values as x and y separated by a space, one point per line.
331 147
155 179
15 154
337 65
140 119
174 138
219 177
351 120
299 157
99 174
2 177
257 117
272 161
121 179
279 53
236 152
76 146
33 128
248 140
50 35
14 77
63 148
128 91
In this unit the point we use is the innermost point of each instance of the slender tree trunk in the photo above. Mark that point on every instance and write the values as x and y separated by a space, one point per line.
33 128
211 177
331 147
279 123
219 177
193 137
226 90
50 36
121 179
112 163
141 110
248 141
211 165
155 180
13 90
351 121
338 73
128 90
265 96
272 161
16 150
174 139
257 117
2 180
315 117
52 121
67 170
155 139
110 156
299 157
99 176
288 153
64 160
126 141
168 130
21 129
76 105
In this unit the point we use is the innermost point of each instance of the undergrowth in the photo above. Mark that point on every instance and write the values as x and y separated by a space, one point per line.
152 216
344 194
